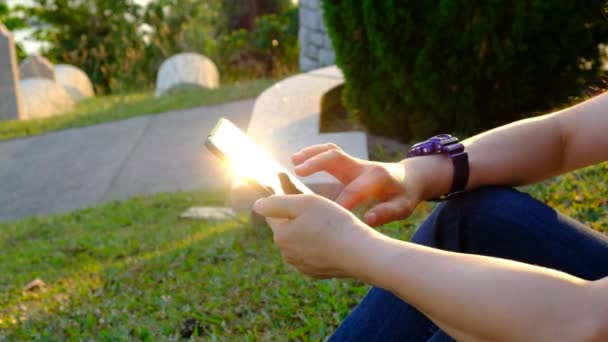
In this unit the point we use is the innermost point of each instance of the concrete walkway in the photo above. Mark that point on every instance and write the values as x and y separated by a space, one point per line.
77 168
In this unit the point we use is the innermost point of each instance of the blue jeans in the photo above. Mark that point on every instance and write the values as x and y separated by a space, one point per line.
498 222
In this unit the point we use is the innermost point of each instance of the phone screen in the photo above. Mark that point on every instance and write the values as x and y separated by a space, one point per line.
249 162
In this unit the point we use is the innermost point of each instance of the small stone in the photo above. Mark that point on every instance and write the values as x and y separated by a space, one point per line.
208 213
191 327
35 285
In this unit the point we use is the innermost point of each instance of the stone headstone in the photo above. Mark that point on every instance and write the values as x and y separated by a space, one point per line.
75 81
36 66
42 98
10 100
186 69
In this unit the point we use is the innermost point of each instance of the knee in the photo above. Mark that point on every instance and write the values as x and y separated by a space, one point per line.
481 212
488 201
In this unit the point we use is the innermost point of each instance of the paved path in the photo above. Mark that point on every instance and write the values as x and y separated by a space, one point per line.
77 168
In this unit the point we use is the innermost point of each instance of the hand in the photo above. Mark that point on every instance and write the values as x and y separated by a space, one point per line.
314 234
398 186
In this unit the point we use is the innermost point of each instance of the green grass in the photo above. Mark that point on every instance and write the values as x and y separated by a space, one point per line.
118 107
133 270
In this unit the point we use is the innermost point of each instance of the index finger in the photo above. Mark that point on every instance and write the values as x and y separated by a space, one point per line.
280 206
311 151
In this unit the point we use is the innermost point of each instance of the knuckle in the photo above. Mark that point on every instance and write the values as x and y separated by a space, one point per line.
379 171
332 146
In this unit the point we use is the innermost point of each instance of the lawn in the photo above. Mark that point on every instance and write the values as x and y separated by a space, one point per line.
123 106
133 270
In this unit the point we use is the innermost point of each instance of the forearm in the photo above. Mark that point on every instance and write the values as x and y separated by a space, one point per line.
531 150
479 297
520 153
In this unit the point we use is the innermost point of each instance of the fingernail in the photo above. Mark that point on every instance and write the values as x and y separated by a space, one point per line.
370 218
257 206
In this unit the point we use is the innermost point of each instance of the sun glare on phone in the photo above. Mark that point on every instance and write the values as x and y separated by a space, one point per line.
245 159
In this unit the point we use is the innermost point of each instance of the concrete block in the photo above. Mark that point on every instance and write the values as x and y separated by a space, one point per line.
10 98
310 18
327 57
315 38
311 51
285 119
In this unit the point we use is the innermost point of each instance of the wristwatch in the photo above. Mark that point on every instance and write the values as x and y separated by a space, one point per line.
445 143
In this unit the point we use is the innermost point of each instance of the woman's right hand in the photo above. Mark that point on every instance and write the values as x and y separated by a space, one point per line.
399 187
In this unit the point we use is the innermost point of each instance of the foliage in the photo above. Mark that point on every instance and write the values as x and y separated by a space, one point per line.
181 26
121 45
269 49
12 20
119 107
423 67
133 270
100 36
241 14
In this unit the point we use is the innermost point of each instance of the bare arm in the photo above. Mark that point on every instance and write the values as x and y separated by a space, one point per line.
486 298
534 149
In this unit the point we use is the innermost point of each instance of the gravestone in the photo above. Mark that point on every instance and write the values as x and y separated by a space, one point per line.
74 81
36 66
43 98
10 104
186 70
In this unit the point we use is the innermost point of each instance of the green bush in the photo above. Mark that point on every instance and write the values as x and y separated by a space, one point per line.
417 68
269 49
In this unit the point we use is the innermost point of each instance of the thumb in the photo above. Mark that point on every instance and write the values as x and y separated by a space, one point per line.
395 209
279 206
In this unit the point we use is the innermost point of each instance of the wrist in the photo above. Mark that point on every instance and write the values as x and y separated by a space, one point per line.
431 174
374 264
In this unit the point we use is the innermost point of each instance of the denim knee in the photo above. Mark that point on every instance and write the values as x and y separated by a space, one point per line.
471 214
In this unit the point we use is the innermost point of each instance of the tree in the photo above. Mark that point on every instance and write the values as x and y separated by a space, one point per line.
100 36
13 21
241 14
418 68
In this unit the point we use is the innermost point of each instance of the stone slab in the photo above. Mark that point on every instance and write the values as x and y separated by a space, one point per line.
208 213
285 119
10 98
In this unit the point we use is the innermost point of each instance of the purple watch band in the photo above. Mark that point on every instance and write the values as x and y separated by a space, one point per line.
451 146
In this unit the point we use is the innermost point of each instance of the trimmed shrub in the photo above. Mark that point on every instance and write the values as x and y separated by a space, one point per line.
417 68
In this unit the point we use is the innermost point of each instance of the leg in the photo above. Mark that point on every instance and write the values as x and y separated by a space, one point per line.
497 222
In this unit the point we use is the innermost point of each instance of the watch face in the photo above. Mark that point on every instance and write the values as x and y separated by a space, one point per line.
434 145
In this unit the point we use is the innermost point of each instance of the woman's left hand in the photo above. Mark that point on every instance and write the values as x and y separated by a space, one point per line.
314 234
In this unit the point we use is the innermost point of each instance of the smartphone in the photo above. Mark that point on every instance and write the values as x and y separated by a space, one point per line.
249 162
